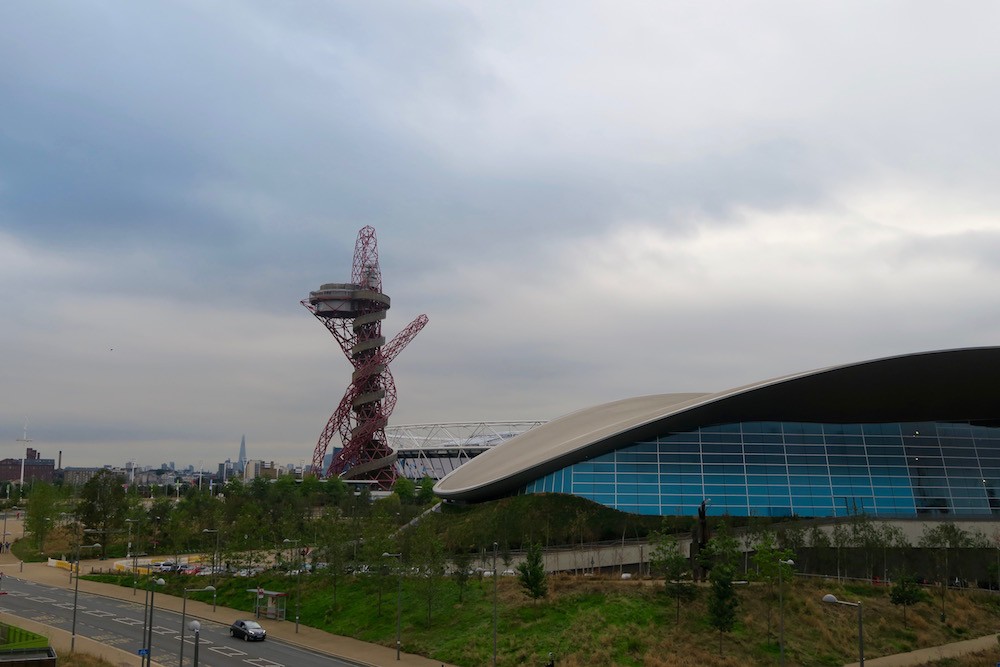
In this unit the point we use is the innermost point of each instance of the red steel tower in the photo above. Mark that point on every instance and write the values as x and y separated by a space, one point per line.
353 313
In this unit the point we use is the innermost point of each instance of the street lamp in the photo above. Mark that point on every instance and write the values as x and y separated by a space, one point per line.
133 552
298 583
832 599
399 600
495 546
76 590
781 608
195 627
151 590
180 662
215 557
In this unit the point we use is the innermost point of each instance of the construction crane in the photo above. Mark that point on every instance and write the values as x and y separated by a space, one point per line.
353 313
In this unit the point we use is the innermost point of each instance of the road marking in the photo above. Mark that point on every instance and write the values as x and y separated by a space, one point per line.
160 630
67 605
263 662
41 599
189 639
227 651
18 594
128 621
99 613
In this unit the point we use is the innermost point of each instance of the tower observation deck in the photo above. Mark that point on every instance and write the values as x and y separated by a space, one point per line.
353 313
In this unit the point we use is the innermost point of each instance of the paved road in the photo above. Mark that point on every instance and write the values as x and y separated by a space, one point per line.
121 623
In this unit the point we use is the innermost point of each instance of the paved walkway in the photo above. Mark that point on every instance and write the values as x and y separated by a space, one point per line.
926 656
316 640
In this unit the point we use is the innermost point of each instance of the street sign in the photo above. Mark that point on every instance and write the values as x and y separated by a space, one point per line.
143 651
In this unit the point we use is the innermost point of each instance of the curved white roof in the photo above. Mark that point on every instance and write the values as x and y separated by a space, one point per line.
944 385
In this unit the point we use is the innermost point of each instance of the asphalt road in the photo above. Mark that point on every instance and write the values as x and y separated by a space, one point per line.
121 623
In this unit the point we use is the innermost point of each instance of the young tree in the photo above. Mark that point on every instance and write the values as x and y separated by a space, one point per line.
531 572
819 541
906 592
939 540
405 489
841 539
428 556
461 562
102 505
767 560
891 537
722 600
668 561
334 549
43 500
721 555
425 492
866 536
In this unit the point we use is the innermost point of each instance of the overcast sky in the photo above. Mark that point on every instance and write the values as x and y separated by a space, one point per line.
589 200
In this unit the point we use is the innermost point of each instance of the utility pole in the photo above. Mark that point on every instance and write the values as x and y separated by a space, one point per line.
25 440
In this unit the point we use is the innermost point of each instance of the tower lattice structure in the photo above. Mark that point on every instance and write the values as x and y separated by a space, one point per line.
353 313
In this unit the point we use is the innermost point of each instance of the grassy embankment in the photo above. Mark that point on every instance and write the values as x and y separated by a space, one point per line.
596 621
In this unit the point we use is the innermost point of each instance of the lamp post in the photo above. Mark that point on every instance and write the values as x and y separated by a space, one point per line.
298 582
133 551
196 629
399 600
215 557
180 662
781 609
832 599
76 590
495 546
151 589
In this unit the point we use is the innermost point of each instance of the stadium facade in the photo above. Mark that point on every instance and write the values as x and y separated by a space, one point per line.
912 435
434 450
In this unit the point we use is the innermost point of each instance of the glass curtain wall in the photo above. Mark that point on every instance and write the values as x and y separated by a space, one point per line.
794 468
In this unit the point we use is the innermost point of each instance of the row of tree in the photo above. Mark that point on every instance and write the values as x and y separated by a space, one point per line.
769 561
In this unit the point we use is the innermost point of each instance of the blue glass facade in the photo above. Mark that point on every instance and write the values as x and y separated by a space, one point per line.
795 468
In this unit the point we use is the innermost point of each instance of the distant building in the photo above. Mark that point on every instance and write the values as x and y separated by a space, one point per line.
79 476
265 469
241 462
34 467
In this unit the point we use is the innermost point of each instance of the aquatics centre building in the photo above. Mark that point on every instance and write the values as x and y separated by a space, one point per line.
905 436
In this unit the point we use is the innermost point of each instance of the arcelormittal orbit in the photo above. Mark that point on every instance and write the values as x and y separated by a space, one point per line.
353 313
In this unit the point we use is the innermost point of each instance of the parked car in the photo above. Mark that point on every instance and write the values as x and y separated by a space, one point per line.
248 631
167 566
188 568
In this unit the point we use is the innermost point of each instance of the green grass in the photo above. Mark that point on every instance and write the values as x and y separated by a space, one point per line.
589 621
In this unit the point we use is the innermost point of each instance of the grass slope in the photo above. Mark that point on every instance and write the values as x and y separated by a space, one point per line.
593 621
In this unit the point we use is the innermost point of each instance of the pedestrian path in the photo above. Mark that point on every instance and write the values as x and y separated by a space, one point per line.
926 656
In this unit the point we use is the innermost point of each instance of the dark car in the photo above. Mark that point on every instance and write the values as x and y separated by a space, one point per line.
248 631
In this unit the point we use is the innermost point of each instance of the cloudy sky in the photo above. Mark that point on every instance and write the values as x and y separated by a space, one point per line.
589 200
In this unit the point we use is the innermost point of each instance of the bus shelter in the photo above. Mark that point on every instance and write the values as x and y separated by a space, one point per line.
268 604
